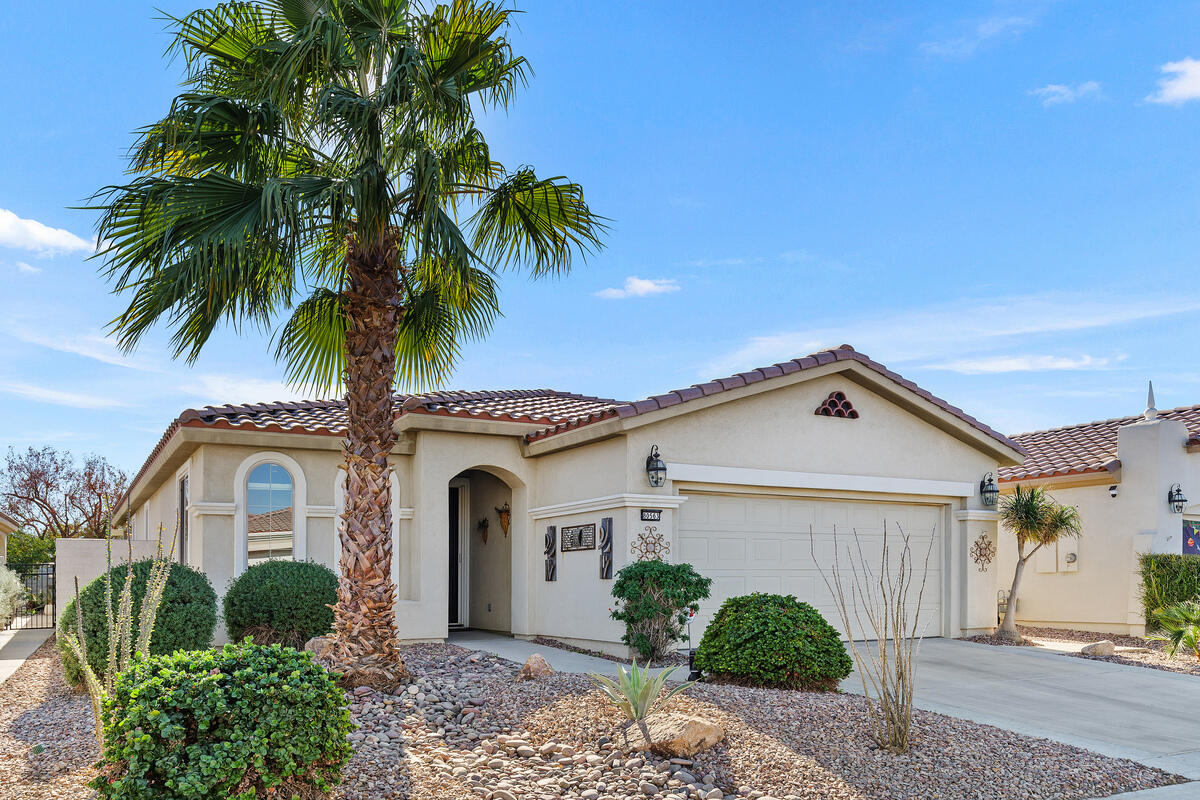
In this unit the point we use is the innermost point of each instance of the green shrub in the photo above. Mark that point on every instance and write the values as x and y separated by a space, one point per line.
281 602
653 600
240 722
25 548
186 616
773 640
1167 579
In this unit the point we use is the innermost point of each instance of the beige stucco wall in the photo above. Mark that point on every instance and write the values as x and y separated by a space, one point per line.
772 430
1101 590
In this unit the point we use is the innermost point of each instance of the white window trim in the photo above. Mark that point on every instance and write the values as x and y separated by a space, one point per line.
241 525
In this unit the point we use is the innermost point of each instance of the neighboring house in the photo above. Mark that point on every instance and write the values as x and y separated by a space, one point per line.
761 468
1118 473
7 525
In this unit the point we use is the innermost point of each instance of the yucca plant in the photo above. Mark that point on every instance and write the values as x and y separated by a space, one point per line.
637 693
122 647
1180 624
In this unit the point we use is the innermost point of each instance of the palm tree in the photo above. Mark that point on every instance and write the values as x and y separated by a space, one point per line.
1036 519
324 162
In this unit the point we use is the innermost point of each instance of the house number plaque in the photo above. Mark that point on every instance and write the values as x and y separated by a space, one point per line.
651 515
578 537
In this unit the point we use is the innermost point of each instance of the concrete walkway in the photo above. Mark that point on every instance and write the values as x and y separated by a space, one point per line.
519 650
1146 715
18 645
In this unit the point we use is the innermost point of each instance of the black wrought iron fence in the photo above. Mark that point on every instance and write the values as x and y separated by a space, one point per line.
36 608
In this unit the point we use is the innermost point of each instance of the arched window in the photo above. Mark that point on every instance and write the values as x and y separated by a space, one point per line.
270 506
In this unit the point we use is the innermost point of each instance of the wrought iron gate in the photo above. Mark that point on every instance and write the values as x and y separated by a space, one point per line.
36 608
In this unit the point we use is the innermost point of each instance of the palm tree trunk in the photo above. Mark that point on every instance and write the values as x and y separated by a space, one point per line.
365 636
1008 627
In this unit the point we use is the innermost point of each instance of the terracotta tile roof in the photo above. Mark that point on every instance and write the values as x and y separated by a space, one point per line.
1083 448
555 411
275 521
843 353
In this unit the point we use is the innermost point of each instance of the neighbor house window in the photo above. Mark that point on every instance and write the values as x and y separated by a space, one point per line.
269 514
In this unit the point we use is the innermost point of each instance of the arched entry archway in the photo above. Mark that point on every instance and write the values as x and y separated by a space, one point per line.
480 550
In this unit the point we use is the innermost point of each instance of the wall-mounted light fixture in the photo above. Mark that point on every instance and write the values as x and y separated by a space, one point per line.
1176 499
656 469
1113 490
505 514
988 492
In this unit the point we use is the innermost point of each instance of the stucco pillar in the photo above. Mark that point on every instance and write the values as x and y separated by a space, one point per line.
974 557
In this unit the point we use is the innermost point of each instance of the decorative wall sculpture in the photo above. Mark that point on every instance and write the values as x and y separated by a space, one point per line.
650 545
983 551
606 548
551 553
836 405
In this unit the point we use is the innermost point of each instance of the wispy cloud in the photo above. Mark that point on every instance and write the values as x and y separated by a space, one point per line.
1053 94
58 397
639 287
993 365
1181 84
31 235
953 331
91 345
977 33
217 388
28 269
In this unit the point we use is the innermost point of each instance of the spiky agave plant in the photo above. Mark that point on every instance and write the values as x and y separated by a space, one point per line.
638 693
122 647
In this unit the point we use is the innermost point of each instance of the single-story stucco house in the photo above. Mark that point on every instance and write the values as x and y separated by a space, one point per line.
514 509
1130 479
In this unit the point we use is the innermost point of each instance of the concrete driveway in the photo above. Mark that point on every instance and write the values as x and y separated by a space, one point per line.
1146 715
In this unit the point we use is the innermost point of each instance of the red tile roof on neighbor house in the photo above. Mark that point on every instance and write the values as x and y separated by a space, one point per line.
556 412
1084 448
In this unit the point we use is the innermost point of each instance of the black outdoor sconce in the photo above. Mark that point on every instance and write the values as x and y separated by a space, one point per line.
656 469
988 491
1176 499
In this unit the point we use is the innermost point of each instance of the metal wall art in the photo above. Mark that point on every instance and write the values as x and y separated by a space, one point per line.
577 537
983 551
505 514
606 548
551 553
650 545
483 528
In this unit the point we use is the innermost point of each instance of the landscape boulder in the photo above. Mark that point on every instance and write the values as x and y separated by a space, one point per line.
1101 648
675 735
535 667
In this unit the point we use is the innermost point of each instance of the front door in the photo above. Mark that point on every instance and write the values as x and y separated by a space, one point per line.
454 613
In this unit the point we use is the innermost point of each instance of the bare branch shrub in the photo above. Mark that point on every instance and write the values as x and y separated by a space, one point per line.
873 599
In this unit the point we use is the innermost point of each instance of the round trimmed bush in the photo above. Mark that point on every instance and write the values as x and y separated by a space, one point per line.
240 722
773 640
281 602
186 617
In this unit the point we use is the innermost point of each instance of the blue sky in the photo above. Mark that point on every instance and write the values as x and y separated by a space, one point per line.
998 200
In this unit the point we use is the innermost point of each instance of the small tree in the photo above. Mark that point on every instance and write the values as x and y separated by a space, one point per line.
1036 520
51 495
653 600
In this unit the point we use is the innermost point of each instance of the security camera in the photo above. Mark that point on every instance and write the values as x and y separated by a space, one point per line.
1112 490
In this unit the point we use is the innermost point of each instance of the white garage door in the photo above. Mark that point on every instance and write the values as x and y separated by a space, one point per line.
752 543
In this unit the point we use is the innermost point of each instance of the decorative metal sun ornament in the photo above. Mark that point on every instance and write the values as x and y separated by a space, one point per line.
983 551
650 545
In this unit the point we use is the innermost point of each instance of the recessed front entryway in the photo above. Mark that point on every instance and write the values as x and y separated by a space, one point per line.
479 552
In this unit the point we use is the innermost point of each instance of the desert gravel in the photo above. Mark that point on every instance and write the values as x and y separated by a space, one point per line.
466 729
1136 651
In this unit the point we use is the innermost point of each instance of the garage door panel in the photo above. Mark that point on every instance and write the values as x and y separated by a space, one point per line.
772 549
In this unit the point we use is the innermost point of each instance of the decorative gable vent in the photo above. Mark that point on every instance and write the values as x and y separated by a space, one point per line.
836 405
